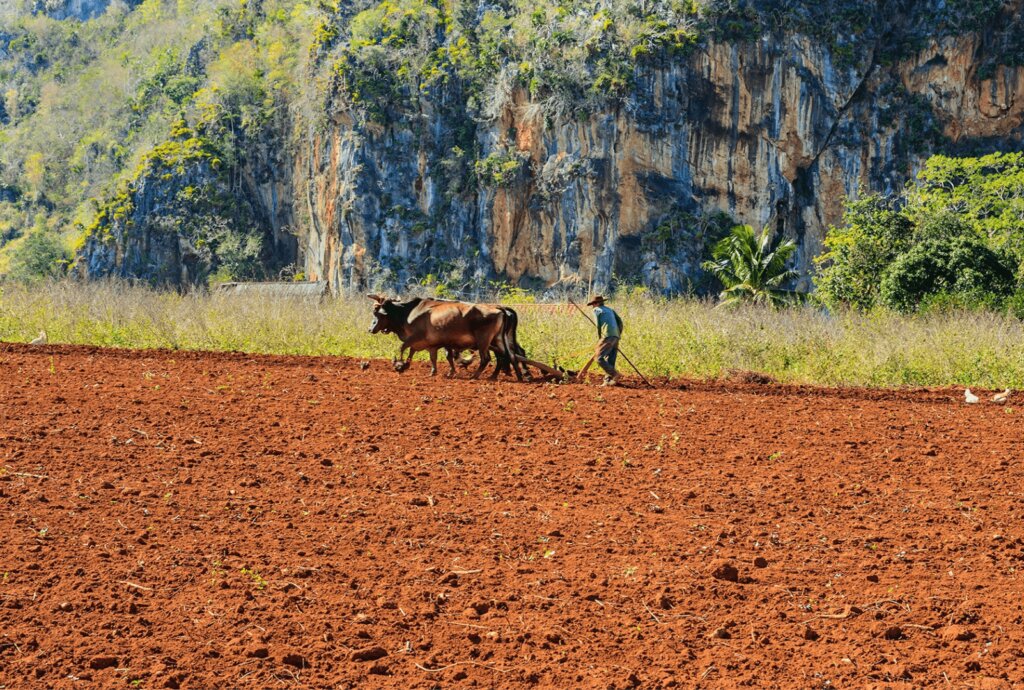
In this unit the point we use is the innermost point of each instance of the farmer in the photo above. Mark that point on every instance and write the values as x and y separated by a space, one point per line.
609 329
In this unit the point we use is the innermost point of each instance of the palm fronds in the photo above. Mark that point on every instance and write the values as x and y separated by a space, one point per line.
750 270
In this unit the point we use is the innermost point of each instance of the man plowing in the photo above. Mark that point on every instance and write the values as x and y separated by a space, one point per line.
609 330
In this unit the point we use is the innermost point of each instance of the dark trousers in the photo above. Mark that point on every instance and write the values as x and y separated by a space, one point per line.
608 351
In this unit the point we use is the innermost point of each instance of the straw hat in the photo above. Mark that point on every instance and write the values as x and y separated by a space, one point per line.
596 301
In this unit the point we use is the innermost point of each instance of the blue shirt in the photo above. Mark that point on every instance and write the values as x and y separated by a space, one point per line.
607 324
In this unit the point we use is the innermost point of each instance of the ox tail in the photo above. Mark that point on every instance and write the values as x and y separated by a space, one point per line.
510 342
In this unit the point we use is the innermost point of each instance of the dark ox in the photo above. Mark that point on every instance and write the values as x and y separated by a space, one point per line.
510 339
430 324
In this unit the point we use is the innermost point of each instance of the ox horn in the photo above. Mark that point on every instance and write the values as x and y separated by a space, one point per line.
376 298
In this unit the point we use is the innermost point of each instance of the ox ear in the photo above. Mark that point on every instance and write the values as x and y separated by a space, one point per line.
377 298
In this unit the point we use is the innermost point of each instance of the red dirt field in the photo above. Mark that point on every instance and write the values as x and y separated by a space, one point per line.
192 520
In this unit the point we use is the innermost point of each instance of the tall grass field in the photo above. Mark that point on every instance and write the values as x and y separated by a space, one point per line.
675 338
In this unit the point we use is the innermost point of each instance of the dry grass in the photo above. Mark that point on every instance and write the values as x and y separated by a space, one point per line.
664 338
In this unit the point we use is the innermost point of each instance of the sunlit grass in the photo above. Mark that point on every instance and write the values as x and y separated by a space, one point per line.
663 338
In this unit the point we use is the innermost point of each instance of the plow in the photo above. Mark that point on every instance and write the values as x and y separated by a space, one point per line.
551 373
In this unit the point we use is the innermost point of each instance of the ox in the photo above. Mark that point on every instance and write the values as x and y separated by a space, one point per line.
510 339
430 324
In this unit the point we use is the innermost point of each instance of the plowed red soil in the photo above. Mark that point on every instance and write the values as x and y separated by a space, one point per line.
186 520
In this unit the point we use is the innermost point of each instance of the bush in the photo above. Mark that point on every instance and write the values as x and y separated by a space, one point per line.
500 168
959 266
875 234
41 255
1015 304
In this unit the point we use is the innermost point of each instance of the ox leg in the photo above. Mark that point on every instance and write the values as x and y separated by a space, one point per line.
451 362
401 364
433 361
526 368
516 367
485 359
499 366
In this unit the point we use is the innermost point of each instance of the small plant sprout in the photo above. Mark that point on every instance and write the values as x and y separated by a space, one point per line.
256 578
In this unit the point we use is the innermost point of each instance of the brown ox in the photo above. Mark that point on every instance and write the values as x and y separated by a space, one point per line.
430 324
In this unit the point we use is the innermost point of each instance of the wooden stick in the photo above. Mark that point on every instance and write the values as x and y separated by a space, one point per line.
591 320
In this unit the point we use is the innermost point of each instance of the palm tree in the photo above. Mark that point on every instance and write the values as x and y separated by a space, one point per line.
750 269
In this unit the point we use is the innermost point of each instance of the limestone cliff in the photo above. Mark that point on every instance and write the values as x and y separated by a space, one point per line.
773 131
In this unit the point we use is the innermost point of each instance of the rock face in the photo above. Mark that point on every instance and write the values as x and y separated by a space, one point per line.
774 132
145 244
166 228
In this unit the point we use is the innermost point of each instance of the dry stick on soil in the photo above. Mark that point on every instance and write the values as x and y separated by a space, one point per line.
136 586
589 318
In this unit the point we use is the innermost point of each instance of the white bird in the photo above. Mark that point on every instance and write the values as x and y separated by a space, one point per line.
1001 397
41 340
969 397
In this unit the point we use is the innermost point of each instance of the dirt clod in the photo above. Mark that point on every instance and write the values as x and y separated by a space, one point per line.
893 632
956 633
760 562
369 654
743 376
724 570
98 663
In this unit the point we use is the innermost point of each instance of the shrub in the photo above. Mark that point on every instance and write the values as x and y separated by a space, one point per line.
41 255
500 168
958 266
1015 304
875 233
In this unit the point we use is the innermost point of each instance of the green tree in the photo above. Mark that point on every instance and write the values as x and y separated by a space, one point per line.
962 268
875 233
41 255
987 192
749 269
